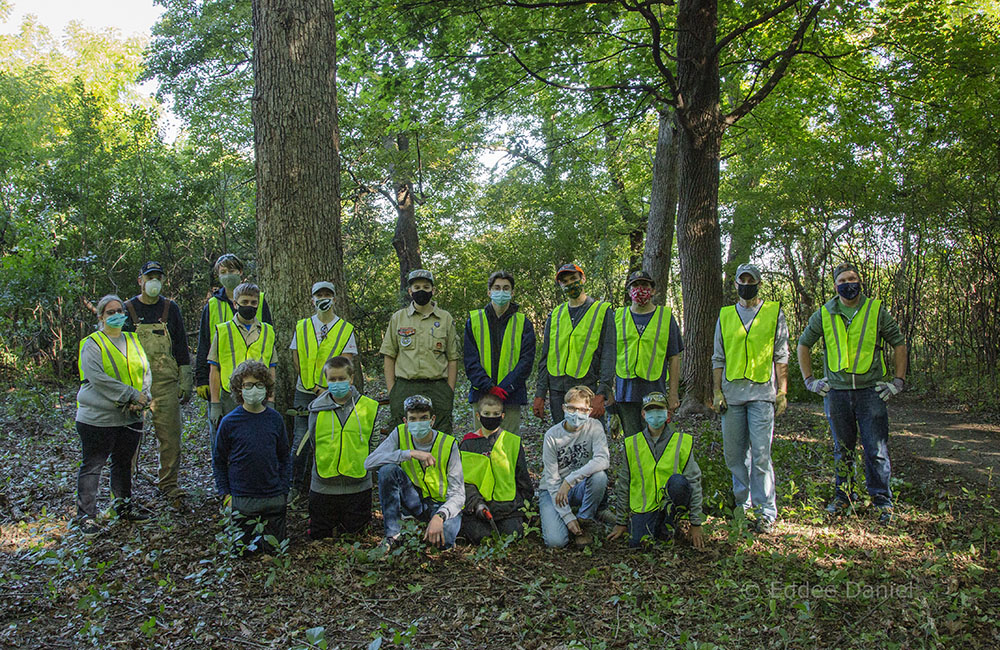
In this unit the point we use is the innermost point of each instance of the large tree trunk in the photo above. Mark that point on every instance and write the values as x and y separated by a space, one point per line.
405 239
297 150
662 206
697 215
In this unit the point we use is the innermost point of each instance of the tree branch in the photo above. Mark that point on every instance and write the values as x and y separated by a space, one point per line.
746 27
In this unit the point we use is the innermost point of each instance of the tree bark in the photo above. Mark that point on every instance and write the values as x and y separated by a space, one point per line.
659 249
405 239
297 148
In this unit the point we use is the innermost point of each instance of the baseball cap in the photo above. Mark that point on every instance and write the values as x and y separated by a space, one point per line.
417 403
748 268
841 268
654 399
151 267
322 284
568 268
635 276
419 274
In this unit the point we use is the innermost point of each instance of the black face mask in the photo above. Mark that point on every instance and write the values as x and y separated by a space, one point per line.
247 312
849 290
490 423
421 297
747 291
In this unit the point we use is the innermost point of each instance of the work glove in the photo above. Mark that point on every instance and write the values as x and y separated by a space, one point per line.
482 512
215 413
499 392
819 386
597 407
780 403
186 384
538 408
719 404
887 389
203 392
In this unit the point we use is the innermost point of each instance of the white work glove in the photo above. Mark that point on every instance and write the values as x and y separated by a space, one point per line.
819 386
215 413
887 389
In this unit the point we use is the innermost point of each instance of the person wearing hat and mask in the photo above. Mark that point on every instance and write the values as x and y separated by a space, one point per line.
647 344
500 350
421 352
573 350
855 330
660 481
158 324
317 338
750 378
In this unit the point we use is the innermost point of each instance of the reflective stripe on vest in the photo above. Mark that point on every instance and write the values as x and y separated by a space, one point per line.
341 451
431 481
219 311
571 349
749 350
129 368
647 477
851 349
493 473
510 347
233 349
311 357
642 356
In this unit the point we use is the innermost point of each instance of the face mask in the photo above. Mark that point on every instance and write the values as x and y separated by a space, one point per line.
747 291
153 288
338 388
490 423
247 312
655 418
500 298
419 429
115 320
575 420
324 304
640 295
229 280
849 290
573 290
254 396
421 297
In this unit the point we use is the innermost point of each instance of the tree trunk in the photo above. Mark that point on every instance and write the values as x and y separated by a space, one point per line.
297 150
698 241
662 206
405 239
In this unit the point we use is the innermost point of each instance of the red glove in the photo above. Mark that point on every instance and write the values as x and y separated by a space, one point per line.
499 392
538 408
597 406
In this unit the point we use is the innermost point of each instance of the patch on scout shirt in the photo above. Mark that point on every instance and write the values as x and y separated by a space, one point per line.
406 335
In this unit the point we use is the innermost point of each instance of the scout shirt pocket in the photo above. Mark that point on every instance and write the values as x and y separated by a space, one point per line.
439 338
407 338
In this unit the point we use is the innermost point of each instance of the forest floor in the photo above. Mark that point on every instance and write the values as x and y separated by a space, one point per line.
928 580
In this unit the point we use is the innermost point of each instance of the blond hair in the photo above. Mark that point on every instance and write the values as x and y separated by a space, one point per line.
579 392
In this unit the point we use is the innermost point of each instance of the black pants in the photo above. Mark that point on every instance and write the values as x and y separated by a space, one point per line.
439 392
249 513
660 524
120 443
475 530
343 514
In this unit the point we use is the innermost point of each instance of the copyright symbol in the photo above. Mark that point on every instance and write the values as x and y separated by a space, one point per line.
751 591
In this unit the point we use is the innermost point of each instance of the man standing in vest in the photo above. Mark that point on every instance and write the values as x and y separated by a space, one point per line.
317 338
647 345
244 337
659 481
419 473
160 328
499 350
854 329
750 378
573 350
421 352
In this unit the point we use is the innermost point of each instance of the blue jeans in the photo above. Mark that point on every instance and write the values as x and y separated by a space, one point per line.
849 413
397 494
586 495
302 463
747 431
659 524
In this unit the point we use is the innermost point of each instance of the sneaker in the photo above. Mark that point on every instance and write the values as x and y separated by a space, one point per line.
764 526
838 506
586 536
388 544
88 527
885 515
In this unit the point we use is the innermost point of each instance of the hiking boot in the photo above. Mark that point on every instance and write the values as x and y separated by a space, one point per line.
607 517
884 515
88 527
586 535
838 506
764 526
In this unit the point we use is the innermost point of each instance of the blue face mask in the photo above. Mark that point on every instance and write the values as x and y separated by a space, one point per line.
338 388
115 320
575 420
419 429
655 418
500 297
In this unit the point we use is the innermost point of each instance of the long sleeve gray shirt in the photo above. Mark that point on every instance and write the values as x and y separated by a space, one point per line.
343 412
691 471
742 391
572 456
101 396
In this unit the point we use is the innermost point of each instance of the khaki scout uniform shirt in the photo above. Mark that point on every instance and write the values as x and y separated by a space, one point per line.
421 344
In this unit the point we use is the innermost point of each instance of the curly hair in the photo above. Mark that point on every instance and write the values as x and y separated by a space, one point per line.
250 369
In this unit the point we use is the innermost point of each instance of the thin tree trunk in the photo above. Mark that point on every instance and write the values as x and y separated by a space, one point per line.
659 249
405 239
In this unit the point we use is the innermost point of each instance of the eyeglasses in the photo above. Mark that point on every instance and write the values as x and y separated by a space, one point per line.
111 312
582 410
255 384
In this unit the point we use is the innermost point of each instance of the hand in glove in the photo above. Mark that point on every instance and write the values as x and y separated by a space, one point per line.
780 403
215 413
203 392
819 386
719 404
483 512
538 408
597 407
186 384
499 392
887 389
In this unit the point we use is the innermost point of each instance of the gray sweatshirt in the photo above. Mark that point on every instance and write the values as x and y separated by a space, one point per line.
572 456
101 396
336 484
388 453
742 391
658 446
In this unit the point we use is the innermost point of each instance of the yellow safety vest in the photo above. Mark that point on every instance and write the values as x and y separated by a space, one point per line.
233 349
341 451
493 474
642 356
219 312
749 351
312 357
647 477
510 347
571 349
129 368
851 349
432 481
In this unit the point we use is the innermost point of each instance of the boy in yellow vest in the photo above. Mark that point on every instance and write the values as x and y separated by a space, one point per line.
750 377
419 473
317 338
341 425
855 330
497 482
659 481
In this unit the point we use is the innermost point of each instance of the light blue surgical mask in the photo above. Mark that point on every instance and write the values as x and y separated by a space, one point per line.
420 429
115 320
575 420
655 418
338 388
500 297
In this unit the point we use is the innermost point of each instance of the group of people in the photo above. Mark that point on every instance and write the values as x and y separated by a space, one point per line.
595 361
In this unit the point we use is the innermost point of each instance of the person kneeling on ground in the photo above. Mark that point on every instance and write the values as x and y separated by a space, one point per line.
497 483
660 480
252 462
574 457
420 473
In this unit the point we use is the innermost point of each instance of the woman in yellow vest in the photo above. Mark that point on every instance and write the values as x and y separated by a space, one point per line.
855 330
497 482
114 389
